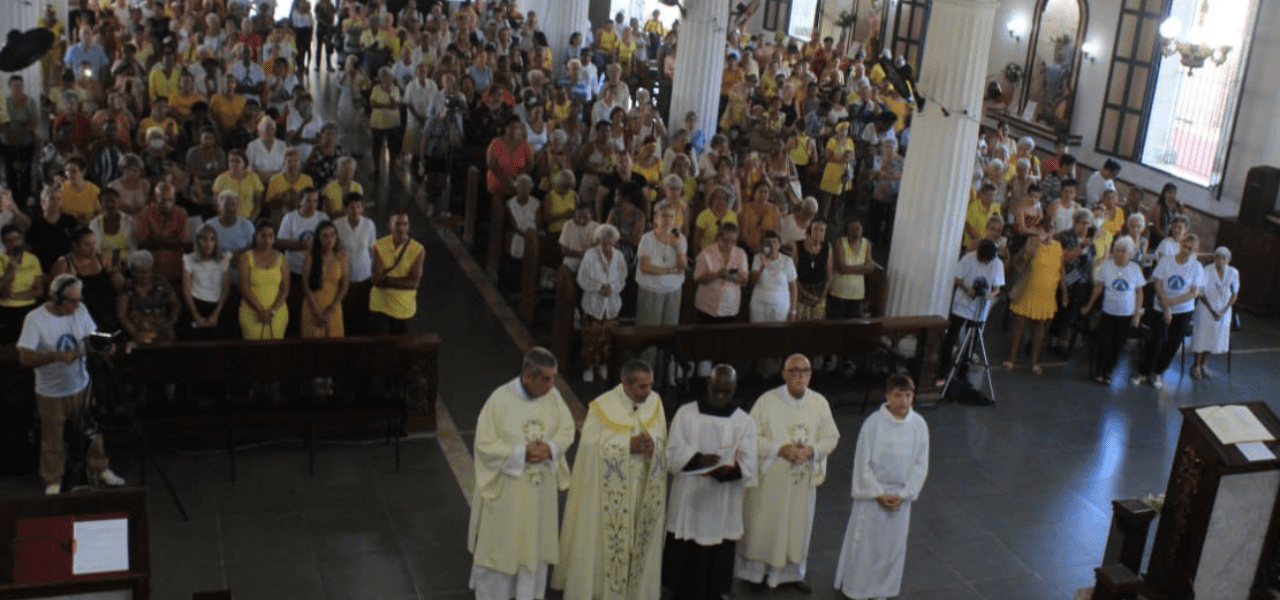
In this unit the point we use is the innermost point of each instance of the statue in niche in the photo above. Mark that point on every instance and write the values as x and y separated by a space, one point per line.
1051 85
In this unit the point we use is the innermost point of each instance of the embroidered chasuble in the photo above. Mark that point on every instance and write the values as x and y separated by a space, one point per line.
778 513
514 514
611 544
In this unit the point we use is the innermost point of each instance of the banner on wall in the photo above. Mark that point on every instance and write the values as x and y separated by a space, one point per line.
804 13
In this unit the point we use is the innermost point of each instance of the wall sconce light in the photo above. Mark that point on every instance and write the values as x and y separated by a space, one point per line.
1017 28
1089 51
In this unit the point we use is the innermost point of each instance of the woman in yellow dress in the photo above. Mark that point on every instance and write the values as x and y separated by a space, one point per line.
838 156
560 202
264 285
326 284
1035 297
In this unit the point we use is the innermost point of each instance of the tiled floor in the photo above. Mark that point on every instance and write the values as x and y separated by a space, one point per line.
1016 506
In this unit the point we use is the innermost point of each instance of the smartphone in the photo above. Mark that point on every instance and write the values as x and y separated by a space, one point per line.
675 232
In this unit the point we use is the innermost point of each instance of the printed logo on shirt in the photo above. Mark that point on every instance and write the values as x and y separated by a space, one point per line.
1120 285
65 342
1176 283
307 236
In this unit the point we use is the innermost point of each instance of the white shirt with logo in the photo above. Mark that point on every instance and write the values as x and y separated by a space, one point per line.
1177 279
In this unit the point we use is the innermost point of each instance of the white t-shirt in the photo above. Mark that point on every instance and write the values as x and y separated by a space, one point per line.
1095 186
310 130
1119 286
301 229
356 243
1176 278
662 256
969 270
1168 247
43 331
262 159
773 288
206 276
577 239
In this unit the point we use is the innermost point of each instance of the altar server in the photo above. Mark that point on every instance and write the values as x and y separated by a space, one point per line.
889 469
522 434
795 434
611 544
711 450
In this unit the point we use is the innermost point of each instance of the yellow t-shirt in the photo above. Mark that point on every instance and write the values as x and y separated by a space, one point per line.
332 195
247 187
710 226
227 109
384 118
161 84
279 185
394 302
24 278
608 41
81 204
976 217
181 103
169 126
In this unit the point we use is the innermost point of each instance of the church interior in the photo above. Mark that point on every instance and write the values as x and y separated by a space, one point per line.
1018 504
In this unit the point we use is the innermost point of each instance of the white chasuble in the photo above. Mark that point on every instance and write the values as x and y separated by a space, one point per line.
892 458
611 544
513 530
702 509
778 513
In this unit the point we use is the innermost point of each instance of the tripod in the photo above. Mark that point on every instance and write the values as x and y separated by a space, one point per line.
107 385
971 340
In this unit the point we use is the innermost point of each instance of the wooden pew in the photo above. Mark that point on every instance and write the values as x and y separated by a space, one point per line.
850 337
471 194
411 360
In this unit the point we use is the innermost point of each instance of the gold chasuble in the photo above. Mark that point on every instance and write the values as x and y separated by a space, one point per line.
611 545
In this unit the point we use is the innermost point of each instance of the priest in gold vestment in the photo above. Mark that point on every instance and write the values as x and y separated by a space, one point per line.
796 434
611 544
522 434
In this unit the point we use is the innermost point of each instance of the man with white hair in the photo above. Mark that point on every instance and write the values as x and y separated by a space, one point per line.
53 343
795 435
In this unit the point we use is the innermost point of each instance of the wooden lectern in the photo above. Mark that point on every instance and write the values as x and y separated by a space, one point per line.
1219 521
43 535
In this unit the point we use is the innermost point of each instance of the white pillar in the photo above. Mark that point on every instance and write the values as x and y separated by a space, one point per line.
939 169
558 19
700 51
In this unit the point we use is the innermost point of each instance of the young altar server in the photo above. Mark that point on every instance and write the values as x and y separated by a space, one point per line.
711 450
796 433
611 544
522 434
889 469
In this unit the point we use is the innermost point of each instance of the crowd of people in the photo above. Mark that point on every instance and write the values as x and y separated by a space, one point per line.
1032 239
742 497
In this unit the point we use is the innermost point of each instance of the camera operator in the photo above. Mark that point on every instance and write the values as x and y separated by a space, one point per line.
53 343
979 277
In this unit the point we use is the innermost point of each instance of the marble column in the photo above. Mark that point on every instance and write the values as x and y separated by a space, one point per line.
699 64
939 170
558 19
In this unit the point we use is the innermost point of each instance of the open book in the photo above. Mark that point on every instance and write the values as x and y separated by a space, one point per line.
1234 424
728 456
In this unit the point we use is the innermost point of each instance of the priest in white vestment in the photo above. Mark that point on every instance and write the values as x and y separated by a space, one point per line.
611 543
711 451
889 469
796 433
522 434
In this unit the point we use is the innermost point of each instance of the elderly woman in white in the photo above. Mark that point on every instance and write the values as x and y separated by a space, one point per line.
602 275
773 299
1212 331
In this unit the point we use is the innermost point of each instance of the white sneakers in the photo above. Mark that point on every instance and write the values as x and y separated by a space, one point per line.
588 375
109 478
1157 381
53 489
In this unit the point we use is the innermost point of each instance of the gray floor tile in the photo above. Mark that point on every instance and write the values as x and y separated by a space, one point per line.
272 580
1019 588
350 533
264 538
979 557
367 576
